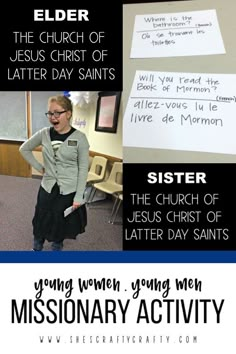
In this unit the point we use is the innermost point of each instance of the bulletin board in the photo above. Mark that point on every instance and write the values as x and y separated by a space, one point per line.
13 121
39 106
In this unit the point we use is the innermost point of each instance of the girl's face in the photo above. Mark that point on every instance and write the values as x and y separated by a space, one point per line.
60 119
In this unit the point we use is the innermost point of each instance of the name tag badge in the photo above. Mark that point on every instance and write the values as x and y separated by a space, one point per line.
72 142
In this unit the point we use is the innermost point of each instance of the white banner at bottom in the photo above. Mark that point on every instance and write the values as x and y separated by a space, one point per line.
79 308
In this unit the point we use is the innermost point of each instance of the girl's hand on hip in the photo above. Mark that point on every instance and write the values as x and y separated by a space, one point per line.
75 205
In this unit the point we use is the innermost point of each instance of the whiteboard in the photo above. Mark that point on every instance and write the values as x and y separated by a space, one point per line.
39 106
13 121
208 64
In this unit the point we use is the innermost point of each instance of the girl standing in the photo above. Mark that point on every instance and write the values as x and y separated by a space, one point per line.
65 167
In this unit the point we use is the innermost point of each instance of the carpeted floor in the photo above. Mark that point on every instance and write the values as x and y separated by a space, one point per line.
17 202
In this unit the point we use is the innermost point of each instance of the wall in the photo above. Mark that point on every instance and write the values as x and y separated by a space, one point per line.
105 143
12 163
223 64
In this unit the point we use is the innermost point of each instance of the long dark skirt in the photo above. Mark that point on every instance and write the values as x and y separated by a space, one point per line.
49 222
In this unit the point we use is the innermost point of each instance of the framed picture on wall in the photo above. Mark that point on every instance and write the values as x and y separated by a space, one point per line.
107 112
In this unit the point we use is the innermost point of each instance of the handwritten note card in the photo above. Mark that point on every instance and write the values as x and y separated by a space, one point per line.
182 111
176 34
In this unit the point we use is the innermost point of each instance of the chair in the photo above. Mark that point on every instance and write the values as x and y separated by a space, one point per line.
113 184
96 172
116 207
